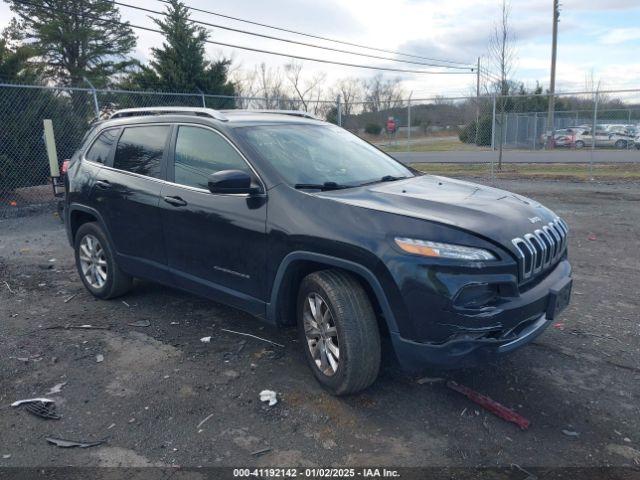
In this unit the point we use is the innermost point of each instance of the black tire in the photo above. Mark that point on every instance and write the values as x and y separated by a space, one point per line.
620 144
637 146
117 282
358 337
579 144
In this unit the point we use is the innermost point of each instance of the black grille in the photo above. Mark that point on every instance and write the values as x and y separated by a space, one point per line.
541 248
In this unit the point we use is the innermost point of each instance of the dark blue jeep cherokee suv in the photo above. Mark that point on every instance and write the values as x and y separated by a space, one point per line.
298 221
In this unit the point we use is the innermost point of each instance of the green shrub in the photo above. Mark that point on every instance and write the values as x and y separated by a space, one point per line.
372 129
483 127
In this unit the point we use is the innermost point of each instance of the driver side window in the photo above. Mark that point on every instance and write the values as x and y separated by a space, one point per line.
199 153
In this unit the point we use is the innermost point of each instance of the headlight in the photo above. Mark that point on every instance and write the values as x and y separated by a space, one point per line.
442 250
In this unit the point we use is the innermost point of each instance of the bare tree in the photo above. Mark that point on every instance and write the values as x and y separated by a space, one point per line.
351 91
382 94
502 57
305 88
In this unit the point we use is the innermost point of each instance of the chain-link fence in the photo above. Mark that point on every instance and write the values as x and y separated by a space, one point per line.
489 137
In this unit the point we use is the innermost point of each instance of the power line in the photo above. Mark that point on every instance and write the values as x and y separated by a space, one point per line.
258 50
317 36
280 39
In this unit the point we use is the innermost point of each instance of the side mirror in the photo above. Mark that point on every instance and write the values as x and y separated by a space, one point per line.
231 181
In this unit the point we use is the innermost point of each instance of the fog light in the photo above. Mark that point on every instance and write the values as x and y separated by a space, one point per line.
476 295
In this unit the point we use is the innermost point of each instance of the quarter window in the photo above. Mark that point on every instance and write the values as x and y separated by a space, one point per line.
101 148
140 150
201 152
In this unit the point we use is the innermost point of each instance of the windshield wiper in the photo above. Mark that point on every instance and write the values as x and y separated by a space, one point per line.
322 186
386 178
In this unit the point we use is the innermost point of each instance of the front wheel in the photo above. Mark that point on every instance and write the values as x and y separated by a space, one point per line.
338 329
96 263
620 144
579 144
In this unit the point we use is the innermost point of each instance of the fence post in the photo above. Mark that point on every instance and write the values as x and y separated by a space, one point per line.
409 122
204 103
339 111
535 129
593 132
95 97
493 124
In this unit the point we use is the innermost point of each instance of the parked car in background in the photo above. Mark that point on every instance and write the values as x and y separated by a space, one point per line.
637 141
564 137
603 138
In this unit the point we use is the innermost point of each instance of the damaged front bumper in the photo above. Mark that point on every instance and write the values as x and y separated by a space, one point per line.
516 324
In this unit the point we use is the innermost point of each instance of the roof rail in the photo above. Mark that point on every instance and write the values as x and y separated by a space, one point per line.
199 111
294 113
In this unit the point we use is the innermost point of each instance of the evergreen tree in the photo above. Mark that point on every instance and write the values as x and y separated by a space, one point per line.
77 38
180 64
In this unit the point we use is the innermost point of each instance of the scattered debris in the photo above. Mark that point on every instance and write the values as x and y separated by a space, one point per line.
40 407
174 323
99 358
52 260
530 476
9 287
111 426
205 339
490 405
570 433
140 323
126 304
68 299
423 380
57 388
592 237
232 374
6 456
59 442
253 336
559 325
269 396
262 451
204 420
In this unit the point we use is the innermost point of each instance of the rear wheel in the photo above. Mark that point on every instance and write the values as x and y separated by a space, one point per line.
96 263
338 329
620 144
579 144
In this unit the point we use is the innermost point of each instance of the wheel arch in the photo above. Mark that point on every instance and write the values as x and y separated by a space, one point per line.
296 265
80 214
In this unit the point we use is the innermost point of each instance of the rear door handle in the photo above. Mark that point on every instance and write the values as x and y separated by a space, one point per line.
175 201
103 184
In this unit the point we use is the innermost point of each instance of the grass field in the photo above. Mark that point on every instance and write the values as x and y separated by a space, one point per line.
556 171
429 144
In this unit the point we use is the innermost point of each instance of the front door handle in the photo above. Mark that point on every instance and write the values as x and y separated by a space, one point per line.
175 201
103 184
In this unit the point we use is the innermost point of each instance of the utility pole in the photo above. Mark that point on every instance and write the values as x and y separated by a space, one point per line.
552 83
477 100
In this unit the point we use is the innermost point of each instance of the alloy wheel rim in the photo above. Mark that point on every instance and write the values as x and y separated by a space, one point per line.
321 334
93 261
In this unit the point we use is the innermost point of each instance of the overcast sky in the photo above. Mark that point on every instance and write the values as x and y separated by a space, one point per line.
599 36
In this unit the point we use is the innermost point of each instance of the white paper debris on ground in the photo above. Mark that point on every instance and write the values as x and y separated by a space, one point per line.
56 388
99 358
269 396
205 339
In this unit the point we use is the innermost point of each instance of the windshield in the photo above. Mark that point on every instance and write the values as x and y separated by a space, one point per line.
321 154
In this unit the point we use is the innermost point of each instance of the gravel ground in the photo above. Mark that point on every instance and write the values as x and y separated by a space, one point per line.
161 397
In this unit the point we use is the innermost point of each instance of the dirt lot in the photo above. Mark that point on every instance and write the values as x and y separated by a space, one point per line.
579 383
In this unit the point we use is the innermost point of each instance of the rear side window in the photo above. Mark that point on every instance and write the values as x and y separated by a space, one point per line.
101 148
140 150
201 152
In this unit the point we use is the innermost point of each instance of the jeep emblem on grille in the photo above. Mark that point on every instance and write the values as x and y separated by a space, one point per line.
535 219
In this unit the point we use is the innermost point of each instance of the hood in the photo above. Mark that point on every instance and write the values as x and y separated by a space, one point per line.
492 213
